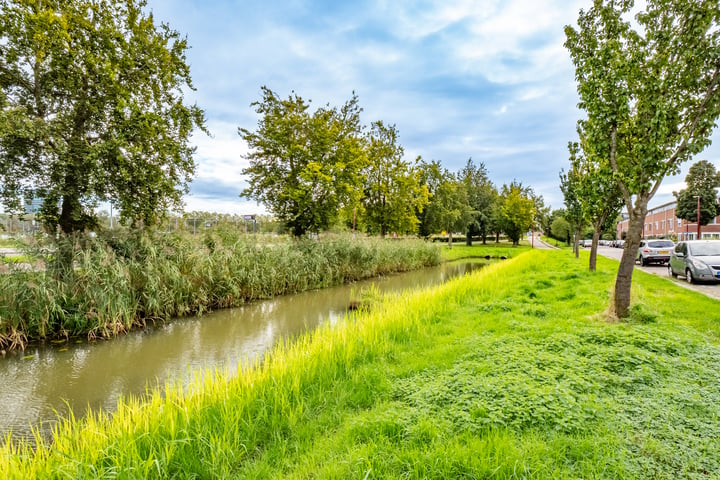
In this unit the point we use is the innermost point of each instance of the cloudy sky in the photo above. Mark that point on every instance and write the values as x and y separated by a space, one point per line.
487 79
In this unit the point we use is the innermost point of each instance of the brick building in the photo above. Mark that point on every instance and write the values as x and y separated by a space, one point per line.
661 222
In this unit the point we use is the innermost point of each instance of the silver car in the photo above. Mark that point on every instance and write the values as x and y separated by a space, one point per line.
697 260
654 251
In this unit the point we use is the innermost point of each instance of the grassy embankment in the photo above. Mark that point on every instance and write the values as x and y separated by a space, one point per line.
491 249
127 282
556 243
511 372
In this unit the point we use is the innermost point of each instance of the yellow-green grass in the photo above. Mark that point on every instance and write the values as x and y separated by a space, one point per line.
556 243
478 250
512 372
16 259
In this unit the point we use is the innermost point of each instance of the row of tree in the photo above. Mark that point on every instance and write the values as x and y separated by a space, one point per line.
92 110
316 170
649 86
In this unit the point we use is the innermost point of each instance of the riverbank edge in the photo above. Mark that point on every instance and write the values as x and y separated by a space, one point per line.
219 425
125 284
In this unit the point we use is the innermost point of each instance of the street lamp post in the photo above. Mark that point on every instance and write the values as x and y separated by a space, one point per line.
698 217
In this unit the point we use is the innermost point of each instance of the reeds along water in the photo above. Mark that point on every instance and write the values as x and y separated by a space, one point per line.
122 282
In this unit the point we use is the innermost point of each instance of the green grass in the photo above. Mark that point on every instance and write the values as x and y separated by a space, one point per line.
478 250
9 243
16 259
556 243
511 372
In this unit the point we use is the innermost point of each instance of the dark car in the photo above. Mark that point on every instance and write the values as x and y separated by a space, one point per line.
654 251
697 260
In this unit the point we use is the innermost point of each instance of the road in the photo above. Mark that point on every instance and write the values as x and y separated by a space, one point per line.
709 289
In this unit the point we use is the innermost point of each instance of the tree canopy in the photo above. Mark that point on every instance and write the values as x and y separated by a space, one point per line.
305 167
517 210
702 181
652 88
393 192
92 109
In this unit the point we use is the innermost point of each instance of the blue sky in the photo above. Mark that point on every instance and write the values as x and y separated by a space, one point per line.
487 79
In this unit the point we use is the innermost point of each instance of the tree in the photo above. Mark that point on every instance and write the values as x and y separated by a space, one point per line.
448 208
431 175
393 191
92 109
517 210
480 195
306 168
570 187
598 191
656 93
560 229
702 181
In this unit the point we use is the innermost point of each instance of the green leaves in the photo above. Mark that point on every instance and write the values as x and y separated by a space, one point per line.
393 192
98 91
702 180
651 92
304 166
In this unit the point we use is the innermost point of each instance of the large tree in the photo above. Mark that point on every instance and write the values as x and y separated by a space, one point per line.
702 181
517 210
306 168
92 109
449 209
393 190
654 84
480 195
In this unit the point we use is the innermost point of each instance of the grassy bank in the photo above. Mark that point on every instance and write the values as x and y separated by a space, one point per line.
511 372
478 250
123 283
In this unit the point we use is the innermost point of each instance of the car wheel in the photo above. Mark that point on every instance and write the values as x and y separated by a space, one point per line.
671 272
643 262
689 276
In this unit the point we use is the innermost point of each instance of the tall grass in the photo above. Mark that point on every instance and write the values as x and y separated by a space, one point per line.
511 372
121 283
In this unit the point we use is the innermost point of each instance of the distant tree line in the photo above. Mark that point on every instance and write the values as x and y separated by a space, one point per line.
317 170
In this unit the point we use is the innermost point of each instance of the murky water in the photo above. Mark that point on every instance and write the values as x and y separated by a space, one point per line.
37 383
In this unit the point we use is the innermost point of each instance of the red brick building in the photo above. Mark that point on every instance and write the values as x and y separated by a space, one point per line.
661 222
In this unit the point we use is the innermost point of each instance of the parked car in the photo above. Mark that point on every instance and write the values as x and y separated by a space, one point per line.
697 260
654 251
619 243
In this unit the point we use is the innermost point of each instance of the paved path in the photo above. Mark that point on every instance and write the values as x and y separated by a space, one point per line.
709 289
537 243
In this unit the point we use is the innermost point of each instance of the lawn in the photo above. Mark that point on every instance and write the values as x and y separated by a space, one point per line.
511 372
491 249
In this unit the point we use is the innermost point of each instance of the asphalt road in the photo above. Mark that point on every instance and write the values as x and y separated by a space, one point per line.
709 289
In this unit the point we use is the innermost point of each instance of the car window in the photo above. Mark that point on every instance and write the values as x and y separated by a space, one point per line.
705 249
661 244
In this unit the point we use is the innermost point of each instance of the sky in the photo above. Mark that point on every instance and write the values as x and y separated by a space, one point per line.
483 79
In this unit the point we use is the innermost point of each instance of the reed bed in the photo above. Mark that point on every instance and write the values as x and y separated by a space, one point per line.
122 283
511 372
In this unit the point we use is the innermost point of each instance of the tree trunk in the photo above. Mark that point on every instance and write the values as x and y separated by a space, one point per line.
576 248
593 248
468 238
621 296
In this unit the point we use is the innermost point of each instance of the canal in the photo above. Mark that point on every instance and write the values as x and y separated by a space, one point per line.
43 381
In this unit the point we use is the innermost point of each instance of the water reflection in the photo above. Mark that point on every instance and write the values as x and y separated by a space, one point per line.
40 381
